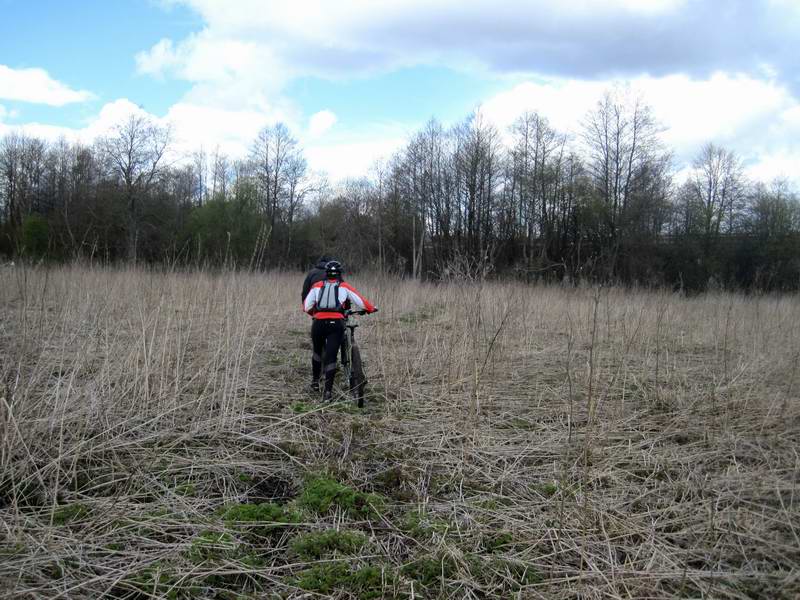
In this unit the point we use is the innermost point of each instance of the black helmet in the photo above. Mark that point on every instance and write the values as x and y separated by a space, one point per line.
333 269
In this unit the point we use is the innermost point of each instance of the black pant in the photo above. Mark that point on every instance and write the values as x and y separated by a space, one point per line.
326 338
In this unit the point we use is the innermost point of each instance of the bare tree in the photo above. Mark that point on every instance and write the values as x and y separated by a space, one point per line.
718 187
429 187
270 155
281 174
136 150
621 138
23 166
537 155
200 164
298 187
220 175
10 184
478 170
774 210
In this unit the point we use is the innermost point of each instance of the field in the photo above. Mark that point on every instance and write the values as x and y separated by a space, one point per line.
518 442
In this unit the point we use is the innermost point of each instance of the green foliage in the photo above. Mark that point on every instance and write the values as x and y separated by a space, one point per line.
301 407
186 489
69 512
252 560
495 542
34 235
521 573
431 571
313 546
9 551
391 482
266 513
546 489
226 229
501 573
321 494
210 545
422 526
364 583
158 581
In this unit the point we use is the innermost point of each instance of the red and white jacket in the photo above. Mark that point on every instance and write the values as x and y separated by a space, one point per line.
346 293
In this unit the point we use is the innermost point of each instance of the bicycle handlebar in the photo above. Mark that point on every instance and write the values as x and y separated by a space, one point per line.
357 312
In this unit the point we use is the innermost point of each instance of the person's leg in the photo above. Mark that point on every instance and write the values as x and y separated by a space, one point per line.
317 344
333 339
344 348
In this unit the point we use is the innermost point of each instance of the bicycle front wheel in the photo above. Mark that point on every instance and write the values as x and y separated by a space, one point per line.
358 380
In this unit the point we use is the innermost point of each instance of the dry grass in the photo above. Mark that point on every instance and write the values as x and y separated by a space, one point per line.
523 442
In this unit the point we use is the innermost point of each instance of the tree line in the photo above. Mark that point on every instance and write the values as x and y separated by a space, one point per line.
463 201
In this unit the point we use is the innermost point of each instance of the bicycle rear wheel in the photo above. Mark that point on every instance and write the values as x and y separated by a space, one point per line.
358 380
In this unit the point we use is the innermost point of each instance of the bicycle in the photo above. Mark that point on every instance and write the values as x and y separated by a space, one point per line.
352 365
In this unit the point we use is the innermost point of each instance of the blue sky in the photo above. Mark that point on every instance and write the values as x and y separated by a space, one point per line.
90 44
353 79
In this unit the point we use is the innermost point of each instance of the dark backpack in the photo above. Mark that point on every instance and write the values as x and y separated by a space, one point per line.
316 274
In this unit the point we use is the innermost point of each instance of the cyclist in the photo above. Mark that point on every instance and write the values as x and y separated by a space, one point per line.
317 273
326 302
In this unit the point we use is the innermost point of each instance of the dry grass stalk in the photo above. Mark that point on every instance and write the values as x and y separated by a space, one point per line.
134 404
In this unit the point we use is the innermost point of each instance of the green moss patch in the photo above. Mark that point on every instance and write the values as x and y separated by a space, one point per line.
68 513
211 545
313 546
430 571
260 514
422 526
502 574
157 581
497 542
302 407
546 489
365 583
495 573
321 494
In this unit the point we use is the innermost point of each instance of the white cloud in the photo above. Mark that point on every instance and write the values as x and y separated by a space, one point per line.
40 130
35 85
158 60
233 131
567 54
564 102
759 120
777 165
193 126
209 57
582 38
720 108
352 157
110 115
103 123
242 59
321 122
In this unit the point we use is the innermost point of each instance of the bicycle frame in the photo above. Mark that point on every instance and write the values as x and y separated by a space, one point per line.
352 368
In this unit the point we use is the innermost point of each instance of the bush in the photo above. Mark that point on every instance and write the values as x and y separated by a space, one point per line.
364 583
323 493
35 236
314 546
259 519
